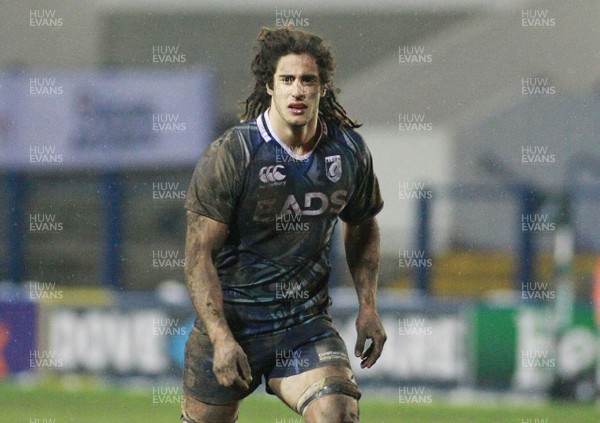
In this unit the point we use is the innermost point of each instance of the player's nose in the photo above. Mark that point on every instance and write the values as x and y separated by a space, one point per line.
298 90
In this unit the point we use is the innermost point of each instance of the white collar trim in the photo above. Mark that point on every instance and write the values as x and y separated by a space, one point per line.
283 145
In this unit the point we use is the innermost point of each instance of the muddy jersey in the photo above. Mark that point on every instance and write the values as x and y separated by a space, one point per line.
281 210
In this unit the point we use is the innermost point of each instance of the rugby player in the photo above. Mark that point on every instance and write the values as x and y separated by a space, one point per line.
262 205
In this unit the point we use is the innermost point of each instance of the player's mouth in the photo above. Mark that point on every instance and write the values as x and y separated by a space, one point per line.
297 108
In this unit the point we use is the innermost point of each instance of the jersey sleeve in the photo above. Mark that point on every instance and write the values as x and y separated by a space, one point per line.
217 181
366 200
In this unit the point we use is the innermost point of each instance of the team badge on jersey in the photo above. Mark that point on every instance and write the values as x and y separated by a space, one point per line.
333 168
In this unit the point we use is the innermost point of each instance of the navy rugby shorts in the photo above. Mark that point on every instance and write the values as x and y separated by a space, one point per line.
292 351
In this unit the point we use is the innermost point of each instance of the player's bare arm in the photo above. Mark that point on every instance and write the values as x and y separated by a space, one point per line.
205 238
362 253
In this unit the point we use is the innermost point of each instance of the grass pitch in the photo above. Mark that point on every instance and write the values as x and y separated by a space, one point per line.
48 404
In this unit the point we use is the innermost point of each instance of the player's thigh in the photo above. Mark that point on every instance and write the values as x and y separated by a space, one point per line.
199 380
324 394
195 411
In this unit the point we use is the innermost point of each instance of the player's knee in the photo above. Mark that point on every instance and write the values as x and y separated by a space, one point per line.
194 411
333 409
331 400
186 418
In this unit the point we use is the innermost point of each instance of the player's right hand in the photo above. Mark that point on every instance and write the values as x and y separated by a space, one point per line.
230 365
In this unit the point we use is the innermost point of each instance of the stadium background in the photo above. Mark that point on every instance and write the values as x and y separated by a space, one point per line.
482 118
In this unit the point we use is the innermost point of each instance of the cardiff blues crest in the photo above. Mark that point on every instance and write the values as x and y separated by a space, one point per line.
333 168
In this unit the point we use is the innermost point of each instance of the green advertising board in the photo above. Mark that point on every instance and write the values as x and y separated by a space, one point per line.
519 347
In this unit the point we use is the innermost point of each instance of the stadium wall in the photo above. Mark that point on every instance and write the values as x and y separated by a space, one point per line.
431 344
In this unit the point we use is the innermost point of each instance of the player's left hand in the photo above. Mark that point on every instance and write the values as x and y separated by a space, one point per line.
368 326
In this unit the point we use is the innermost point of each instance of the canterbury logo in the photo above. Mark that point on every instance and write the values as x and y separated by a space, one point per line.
271 174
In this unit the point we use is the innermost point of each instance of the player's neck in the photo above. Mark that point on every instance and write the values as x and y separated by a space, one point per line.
301 140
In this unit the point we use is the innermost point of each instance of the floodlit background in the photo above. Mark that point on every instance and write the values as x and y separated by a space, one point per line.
483 118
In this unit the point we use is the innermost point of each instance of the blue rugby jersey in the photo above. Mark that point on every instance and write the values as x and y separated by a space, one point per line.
281 210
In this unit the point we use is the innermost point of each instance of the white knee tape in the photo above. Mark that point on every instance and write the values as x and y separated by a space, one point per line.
327 386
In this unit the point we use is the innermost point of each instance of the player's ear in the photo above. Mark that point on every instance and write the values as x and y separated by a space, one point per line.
269 89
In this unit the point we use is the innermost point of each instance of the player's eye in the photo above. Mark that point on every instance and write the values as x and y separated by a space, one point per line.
287 79
309 81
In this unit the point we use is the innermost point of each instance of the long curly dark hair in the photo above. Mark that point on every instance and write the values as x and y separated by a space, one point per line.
271 46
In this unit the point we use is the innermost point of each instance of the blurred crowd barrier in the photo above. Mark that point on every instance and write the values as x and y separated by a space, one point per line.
432 344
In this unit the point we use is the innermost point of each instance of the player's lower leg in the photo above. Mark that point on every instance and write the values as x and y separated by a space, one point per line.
194 411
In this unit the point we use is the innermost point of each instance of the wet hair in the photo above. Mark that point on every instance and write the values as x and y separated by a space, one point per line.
272 44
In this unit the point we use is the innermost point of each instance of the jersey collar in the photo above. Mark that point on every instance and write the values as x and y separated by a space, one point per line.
266 131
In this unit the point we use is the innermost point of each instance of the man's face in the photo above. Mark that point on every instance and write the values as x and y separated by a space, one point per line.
296 90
